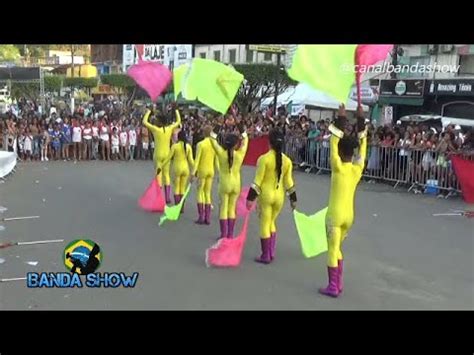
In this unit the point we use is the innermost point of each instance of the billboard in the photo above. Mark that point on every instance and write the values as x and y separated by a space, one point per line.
171 55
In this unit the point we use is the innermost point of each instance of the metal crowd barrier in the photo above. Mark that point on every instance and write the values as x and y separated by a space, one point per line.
417 170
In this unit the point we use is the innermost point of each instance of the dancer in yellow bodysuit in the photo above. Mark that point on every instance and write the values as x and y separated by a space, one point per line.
162 138
272 179
230 163
182 156
346 173
204 170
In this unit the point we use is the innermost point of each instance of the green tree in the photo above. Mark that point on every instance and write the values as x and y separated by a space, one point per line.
123 82
259 84
9 53
81 83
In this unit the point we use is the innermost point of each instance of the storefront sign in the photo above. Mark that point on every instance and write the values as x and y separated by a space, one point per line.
452 87
402 88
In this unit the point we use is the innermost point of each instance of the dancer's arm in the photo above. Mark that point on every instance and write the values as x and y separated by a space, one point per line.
198 158
362 135
255 188
289 185
170 155
337 130
220 152
147 123
245 140
178 120
189 154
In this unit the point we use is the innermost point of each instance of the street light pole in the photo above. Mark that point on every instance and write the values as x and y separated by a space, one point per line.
277 80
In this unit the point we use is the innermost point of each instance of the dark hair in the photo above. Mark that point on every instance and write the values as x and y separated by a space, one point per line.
277 138
182 138
230 141
346 146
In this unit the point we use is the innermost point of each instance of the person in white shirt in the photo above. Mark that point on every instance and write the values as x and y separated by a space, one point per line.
132 140
115 144
87 137
95 140
104 140
77 140
124 144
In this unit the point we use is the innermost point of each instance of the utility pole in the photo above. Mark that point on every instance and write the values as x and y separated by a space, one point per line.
393 75
277 81
72 76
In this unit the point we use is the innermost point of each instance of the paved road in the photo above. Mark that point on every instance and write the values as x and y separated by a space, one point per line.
398 256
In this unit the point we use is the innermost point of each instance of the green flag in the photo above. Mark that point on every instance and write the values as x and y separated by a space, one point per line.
179 74
312 232
212 83
172 213
329 68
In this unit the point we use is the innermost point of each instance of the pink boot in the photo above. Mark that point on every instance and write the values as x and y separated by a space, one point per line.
200 219
340 264
176 199
331 289
265 257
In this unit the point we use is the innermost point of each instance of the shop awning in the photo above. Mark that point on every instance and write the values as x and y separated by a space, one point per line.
407 101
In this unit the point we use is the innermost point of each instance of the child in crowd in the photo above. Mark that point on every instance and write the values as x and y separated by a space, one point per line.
115 144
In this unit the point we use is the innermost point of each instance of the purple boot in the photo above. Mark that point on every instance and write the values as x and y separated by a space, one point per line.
230 227
265 257
207 213
273 241
168 194
180 197
331 289
340 264
176 199
200 219
223 224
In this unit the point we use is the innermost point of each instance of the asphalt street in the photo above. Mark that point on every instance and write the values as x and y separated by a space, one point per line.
398 256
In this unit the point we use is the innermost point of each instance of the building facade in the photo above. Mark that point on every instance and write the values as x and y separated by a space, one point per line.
107 58
234 54
446 89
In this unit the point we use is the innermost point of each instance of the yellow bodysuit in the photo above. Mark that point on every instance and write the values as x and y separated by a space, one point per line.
162 139
271 190
344 180
229 179
204 169
181 161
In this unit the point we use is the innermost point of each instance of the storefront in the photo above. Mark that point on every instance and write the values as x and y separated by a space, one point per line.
402 97
451 98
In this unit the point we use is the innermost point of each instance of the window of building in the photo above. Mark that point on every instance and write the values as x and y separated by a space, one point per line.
202 55
249 56
466 64
232 55
413 61
217 56
267 57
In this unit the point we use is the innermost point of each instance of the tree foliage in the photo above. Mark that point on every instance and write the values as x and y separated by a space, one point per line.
122 81
80 83
53 83
259 84
9 53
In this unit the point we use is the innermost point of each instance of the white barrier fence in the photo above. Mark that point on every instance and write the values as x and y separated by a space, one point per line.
418 170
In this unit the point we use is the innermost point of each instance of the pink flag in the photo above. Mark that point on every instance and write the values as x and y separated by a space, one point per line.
242 203
152 77
228 252
369 54
152 199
